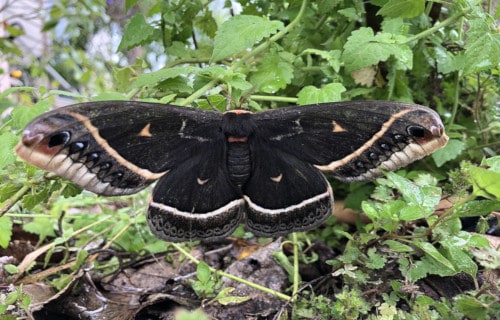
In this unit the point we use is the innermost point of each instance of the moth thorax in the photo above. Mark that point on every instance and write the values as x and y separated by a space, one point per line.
238 162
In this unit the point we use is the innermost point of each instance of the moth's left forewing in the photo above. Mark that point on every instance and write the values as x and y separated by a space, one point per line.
114 147
355 141
406 133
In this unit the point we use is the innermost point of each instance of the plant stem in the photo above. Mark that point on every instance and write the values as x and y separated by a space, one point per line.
14 199
438 26
273 98
232 277
296 276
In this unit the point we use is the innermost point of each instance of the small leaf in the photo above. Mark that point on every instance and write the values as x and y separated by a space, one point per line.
398 246
5 231
431 251
240 33
8 142
203 272
402 8
225 299
478 208
274 73
472 307
137 32
449 152
485 183
311 95
148 79
21 115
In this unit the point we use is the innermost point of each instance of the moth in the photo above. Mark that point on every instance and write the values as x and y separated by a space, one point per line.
217 170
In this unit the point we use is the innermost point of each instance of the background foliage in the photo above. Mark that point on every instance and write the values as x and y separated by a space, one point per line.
269 54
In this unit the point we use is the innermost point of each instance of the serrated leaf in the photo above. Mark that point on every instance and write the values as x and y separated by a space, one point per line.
137 32
363 49
431 251
471 307
8 189
329 93
21 115
376 261
7 143
41 225
148 79
5 231
485 183
398 246
240 33
478 208
493 163
274 72
402 8
482 48
462 261
449 152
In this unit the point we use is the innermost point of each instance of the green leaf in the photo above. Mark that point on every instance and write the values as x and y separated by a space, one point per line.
493 163
482 49
274 72
240 33
462 261
225 299
363 49
7 143
402 8
42 225
478 208
449 152
24 114
203 272
5 231
472 307
485 183
137 32
376 261
155 77
329 93
398 246
431 251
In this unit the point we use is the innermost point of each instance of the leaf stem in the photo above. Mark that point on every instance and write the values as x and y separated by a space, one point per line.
438 26
232 277
273 98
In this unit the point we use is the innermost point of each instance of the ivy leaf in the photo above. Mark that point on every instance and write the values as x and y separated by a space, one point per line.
240 33
311 95
137 32
402 8
274 73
